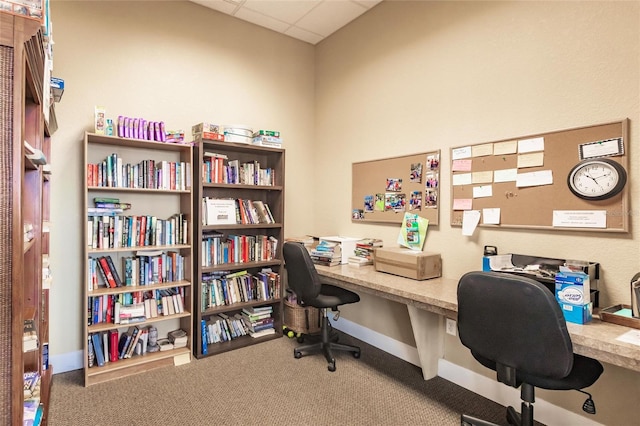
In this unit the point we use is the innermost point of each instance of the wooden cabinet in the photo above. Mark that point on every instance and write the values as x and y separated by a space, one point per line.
24 212
217 246
149 243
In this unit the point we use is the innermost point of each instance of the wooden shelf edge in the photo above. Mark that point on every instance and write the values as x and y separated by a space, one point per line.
137 248
242 226
239 266
131 289
147 190
96 328
240 342
237 306
133 365
93 138
236 186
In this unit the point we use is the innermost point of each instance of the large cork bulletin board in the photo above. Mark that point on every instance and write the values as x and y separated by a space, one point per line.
533 207
383 190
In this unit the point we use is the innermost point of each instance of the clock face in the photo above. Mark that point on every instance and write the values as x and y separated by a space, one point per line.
597 179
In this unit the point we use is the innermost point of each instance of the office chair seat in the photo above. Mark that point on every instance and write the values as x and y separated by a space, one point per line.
305 282
584 373
514 326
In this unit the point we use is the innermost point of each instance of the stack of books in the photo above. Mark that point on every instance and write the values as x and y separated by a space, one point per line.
32 409
364 251
258 320
327 253
267 138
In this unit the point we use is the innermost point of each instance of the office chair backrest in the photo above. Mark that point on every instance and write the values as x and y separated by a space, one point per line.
514 321
302 276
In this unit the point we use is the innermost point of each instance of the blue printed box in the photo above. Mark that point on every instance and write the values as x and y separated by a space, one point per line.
573 292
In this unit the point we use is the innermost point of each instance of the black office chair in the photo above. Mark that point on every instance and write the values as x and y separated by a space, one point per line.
515 326
304 280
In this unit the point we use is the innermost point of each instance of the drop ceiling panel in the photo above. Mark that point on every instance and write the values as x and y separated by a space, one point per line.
306 20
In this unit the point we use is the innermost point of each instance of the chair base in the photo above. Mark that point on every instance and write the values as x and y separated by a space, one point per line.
513 418
326 346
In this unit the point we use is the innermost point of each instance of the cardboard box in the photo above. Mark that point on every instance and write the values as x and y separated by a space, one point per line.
347 246
418 265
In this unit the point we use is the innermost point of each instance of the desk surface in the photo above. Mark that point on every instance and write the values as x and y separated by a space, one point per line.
439 295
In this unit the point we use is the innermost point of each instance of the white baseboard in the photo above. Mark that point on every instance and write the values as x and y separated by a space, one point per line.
67 362
544 412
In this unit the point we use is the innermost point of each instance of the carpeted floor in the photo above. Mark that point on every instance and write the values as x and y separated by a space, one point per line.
265 385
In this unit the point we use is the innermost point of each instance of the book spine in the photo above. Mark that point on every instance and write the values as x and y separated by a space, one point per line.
114 271
203 325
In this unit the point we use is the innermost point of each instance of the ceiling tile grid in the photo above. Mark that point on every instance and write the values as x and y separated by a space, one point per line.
306 20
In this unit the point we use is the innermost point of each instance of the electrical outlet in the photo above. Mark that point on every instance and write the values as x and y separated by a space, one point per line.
451 327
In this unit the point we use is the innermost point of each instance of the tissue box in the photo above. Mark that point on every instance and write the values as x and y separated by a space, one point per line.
579 314
573 293
418 265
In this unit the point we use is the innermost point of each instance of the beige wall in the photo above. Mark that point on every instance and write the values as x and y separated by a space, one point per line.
172 61
404 78
411 77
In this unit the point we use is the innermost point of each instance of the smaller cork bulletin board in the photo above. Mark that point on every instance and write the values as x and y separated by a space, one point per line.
523 182
383 190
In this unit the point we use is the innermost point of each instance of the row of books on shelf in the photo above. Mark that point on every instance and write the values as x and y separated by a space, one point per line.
363 253
230 211
214 170
224 288
111 346
146 268
148 174
218 249
117 231
254 322
135 307
33 408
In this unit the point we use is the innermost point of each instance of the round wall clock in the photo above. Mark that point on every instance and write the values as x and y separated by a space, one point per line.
597 179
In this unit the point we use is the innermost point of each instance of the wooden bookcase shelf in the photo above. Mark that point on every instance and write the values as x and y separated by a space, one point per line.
24 203
146 201
273 196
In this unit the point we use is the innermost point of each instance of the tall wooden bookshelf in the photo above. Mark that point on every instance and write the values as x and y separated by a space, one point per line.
273 196
169 205
24 203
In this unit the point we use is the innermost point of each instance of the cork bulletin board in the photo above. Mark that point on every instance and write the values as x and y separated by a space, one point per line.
383 190
523 182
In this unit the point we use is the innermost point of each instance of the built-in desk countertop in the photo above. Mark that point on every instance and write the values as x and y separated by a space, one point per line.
439 296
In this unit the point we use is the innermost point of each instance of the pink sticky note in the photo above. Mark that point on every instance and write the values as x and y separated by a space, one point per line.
462 203
461 165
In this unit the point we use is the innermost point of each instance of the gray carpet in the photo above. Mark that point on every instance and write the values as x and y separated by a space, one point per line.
265 385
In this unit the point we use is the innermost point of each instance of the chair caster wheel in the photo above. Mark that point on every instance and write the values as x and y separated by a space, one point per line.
297 354
356 354
332 367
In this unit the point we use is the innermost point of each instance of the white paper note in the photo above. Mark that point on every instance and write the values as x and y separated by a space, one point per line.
462 179
482 191
543 177
506 175
458 153
580 218
491 216
470 220
530 145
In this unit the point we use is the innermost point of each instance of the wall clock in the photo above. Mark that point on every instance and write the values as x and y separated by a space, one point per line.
597 179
